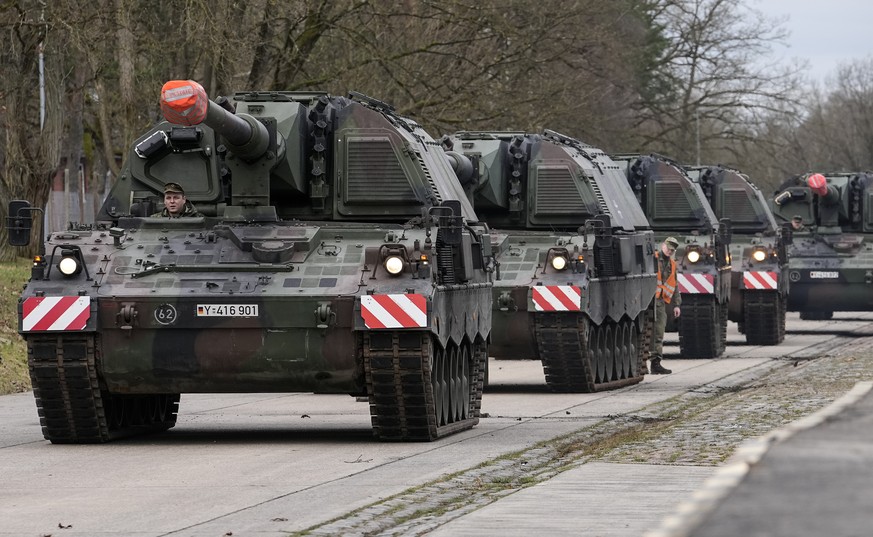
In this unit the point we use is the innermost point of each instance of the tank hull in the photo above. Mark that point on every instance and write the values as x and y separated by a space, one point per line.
830 272
589 333
759 290
706 293
190 311
829 289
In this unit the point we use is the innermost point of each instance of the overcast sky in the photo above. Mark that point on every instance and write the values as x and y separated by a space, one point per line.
824 32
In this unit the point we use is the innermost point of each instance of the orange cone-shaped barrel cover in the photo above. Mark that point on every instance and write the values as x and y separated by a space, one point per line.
818 183
184 102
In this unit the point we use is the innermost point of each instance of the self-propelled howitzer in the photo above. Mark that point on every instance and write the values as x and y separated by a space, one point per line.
759 276
830 258
675 206
575 270
338 254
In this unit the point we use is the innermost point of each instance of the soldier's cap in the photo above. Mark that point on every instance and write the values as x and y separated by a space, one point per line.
671 241
173 187
797 218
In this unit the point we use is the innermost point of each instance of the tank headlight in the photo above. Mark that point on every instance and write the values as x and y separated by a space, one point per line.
693 256
394 265
69 266
559 262
759 255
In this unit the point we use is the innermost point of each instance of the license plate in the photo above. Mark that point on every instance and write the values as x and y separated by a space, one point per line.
227 310
824 274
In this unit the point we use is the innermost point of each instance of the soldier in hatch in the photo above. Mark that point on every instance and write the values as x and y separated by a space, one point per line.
175 203
797 223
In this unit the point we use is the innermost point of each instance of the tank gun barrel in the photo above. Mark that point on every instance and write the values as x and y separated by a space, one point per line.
184 102
462 166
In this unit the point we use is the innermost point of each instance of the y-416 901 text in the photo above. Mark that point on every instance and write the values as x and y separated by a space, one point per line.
227 310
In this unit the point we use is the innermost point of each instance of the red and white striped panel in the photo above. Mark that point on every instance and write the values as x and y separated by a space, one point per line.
55 313
556 297
695 283
394 311
760 280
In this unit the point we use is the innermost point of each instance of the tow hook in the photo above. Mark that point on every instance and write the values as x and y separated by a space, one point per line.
127 316
324 317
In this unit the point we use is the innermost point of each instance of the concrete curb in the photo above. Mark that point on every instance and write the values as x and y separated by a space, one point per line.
690 514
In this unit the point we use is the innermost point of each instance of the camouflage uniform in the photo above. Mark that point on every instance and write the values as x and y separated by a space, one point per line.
661 309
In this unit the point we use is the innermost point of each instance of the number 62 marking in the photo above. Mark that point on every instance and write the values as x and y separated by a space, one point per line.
166 314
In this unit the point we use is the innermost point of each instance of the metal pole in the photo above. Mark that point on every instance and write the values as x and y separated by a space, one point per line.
80 190
697 124
45 214
41 87
42 71
66 197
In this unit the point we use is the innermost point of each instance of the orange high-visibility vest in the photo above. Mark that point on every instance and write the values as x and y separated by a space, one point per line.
668 287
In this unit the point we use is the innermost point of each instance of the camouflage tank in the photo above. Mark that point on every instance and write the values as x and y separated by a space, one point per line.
759 279
337 254
676 206
830 258
574 256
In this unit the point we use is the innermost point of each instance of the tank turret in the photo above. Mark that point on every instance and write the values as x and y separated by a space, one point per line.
830 219
544 181
574 266
267 156
830 203
759 276
731 194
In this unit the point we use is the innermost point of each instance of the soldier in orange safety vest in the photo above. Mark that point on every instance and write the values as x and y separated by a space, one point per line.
667 298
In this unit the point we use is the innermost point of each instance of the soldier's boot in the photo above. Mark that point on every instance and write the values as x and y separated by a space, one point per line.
658 369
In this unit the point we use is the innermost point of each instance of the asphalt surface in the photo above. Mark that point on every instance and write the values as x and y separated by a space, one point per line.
232 466
811 478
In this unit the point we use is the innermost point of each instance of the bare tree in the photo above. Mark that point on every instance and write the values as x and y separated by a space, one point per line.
719 87
837 132
459 64
453 64
29 148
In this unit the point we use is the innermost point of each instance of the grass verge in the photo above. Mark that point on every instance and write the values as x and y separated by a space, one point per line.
13 353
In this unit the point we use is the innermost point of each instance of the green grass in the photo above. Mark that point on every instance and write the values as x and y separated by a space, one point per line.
13 354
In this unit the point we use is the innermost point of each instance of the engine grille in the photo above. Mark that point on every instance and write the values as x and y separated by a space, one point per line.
557 194
374 174
737 205
670 201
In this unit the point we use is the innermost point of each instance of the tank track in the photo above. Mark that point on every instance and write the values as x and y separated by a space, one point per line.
702 327
764 317
419 390
580 357
73 409
646 325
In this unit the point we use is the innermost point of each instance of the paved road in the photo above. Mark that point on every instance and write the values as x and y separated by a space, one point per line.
808 479
267 464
